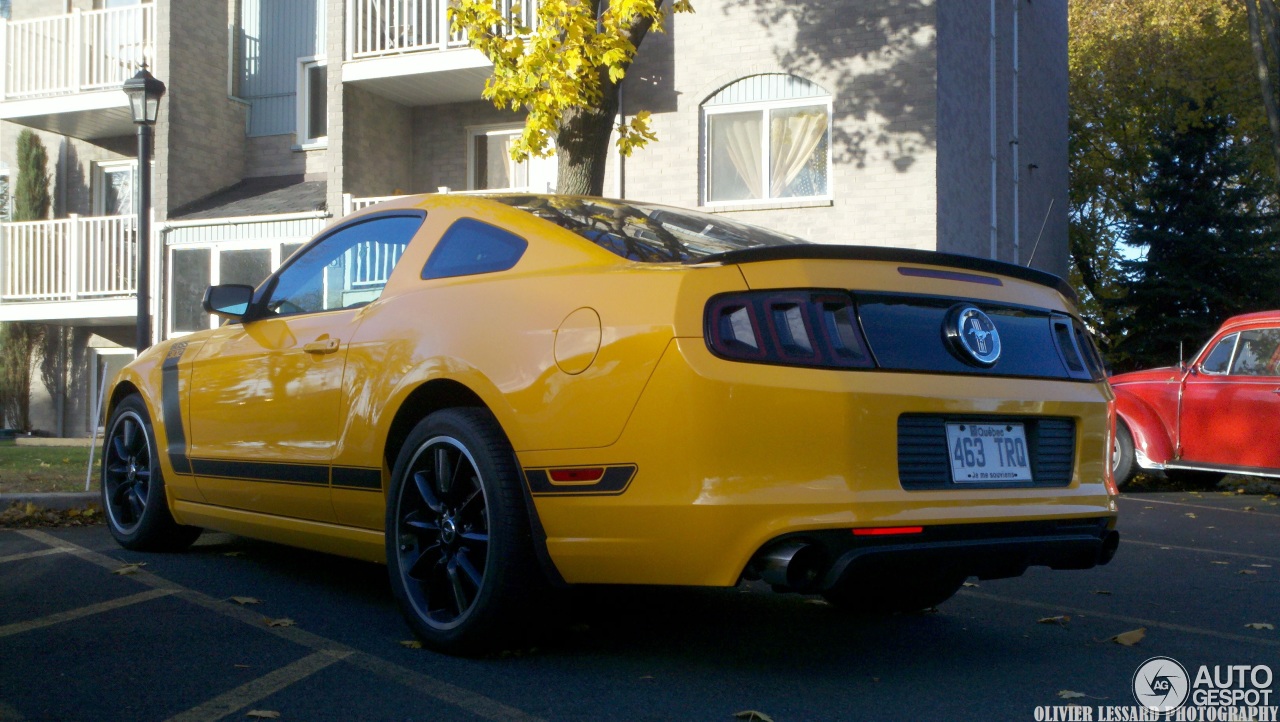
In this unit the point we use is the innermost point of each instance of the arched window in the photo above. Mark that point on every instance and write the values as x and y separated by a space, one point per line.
768 138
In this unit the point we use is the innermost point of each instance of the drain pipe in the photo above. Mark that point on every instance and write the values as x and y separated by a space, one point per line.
1014 143
994 138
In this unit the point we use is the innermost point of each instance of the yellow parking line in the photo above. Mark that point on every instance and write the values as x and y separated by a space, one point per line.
260 688
473 702
20 627
1137 621
33 555
1124 542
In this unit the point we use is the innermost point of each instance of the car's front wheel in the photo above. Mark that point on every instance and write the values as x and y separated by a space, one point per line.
888 594
459 549
133 492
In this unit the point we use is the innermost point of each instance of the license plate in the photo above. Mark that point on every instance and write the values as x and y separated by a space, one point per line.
988 452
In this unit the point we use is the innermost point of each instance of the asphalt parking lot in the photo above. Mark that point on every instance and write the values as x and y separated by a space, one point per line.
85 636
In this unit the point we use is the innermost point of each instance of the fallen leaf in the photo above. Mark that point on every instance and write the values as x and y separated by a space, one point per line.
242 666
1224 563
647 676
246 600
819 602
1248 508
1260 625
1102 591
233 554
411 644
1261 566
1068 694
130 568
283 622
1240 490
1190 515
73 513
262 714
1130 638
970 584
750 714
1246 571
1061 620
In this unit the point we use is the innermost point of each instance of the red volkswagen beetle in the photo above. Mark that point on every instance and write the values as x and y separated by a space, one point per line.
1217 415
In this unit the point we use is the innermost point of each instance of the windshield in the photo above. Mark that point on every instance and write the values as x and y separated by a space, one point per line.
645 232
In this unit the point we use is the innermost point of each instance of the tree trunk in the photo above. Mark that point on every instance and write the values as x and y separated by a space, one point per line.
582 146
1264 80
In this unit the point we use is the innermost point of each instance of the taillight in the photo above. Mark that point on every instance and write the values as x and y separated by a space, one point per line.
791 328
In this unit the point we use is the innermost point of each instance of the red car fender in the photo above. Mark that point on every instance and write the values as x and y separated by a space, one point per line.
1151 436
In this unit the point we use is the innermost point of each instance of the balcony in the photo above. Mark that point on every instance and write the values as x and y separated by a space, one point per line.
82 270
63 73
403 50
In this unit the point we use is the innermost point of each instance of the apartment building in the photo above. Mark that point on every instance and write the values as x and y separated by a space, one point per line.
915 123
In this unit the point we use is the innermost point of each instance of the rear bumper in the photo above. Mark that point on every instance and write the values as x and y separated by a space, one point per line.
987 551
730 457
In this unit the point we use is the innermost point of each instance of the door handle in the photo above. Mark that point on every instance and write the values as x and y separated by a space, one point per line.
328 345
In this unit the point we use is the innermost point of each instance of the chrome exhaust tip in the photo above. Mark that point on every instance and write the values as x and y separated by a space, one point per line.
796 566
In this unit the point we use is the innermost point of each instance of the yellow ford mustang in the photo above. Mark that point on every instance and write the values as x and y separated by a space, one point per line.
502 394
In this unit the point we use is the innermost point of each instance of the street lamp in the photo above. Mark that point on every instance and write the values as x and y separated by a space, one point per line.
144 93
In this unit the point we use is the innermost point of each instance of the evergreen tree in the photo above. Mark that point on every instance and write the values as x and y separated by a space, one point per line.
31 196
1210 234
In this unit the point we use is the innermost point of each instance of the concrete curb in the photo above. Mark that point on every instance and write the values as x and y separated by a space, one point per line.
56 500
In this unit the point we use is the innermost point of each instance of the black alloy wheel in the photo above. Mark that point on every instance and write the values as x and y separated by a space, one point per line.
133 492
459 550
444 532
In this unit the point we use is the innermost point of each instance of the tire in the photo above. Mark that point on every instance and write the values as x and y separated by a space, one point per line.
1124 464
882 594
1194 479
460 552
133 492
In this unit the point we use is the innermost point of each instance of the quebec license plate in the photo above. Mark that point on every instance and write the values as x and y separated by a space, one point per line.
988 452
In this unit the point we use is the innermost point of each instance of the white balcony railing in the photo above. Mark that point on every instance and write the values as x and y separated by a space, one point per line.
82 51
67 260
391 27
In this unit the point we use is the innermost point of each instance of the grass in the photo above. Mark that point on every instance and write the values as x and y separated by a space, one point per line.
30 469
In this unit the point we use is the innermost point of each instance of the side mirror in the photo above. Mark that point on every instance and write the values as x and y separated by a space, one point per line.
229 301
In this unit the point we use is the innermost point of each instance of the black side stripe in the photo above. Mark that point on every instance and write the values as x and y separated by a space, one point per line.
306 474
171 410
354 477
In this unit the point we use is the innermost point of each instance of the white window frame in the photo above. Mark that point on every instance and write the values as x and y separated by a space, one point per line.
305 140
276 246
764 107
475 131
100 171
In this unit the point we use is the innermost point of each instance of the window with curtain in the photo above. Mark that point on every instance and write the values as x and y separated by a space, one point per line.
493 169
768 138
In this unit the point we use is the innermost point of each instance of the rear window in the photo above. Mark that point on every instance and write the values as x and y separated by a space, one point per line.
648 233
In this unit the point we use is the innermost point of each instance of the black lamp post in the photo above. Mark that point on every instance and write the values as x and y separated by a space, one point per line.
144 93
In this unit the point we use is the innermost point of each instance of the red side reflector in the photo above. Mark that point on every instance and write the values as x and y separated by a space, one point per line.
576 475
888 530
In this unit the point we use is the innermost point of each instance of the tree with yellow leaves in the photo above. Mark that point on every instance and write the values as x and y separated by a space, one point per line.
564 72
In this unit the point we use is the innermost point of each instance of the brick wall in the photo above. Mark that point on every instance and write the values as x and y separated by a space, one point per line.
440 136
200 136
377 154
271 155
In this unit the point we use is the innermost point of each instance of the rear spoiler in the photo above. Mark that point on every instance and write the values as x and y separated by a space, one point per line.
822 251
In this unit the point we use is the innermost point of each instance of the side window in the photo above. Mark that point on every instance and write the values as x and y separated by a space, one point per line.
348 268
470 247
1219 358
1258 354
